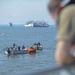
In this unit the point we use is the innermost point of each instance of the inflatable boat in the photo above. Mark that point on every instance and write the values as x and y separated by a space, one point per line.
16 52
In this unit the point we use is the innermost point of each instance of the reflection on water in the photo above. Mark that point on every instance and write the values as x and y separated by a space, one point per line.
32 54
13 56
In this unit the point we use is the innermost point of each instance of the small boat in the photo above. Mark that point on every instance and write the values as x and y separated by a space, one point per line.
31 50
16 52
10 24
37 46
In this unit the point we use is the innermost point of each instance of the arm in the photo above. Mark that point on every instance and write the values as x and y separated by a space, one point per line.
65 37
62 53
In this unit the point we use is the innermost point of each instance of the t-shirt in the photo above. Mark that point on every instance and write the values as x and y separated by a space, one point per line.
66 25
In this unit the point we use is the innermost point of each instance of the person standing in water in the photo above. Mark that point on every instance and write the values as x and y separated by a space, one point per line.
65 19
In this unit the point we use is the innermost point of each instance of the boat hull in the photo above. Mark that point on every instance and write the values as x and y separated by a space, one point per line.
17 52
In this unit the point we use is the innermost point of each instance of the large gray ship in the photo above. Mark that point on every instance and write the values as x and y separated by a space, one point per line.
36 24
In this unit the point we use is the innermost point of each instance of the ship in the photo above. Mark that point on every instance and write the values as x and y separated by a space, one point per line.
10 24
36 24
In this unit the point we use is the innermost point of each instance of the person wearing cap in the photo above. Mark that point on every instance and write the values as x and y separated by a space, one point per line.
65 19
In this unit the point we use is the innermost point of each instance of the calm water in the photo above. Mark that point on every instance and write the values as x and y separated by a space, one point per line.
26 36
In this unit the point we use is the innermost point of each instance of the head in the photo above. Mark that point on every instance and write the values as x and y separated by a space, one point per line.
55 7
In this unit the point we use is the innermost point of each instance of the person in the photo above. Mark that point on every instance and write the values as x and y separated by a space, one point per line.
64 16
39 43
8 50
23 47
19 48
14 45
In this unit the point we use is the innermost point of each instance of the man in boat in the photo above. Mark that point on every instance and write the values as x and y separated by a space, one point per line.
65 19
23 47
14 45
39 43
18 48
8 50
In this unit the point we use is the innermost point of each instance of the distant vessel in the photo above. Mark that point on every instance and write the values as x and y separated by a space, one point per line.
10 24
36 24
28 25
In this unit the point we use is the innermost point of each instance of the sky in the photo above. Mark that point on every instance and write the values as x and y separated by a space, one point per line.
20 11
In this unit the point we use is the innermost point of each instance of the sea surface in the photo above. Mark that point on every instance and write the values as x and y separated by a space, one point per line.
11 65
